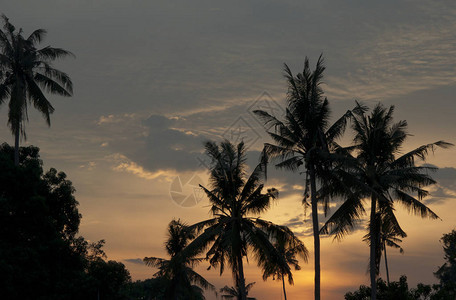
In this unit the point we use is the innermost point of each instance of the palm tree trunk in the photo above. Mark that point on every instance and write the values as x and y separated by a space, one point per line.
386 264
241 279
373 237
16 147
283 285
316 229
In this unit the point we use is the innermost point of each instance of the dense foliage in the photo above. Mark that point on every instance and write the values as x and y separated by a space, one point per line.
447 272
41 256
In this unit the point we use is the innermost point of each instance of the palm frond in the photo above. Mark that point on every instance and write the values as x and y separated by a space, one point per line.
49 53
199 280
39 100
408 159
338 128
154 261
37 36
414 205
344 220
4 93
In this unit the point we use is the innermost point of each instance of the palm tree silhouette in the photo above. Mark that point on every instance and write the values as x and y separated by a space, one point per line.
233 292
289 252
376 172
181 281
25 72
232 231
390 234
305 138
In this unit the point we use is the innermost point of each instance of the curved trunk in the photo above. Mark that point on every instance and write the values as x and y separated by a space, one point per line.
283 286
241 284
316 229
386 264
16 148
373 241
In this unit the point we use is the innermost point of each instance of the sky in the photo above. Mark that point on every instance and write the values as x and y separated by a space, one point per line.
153 80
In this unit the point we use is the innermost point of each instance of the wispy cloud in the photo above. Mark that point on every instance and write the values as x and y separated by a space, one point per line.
400 59
124 164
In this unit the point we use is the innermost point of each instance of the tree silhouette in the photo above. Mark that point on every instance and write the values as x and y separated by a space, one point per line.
305 138
41 255
390 235
447 272
25 72
289 252
233 292
181 281
232 231
378 171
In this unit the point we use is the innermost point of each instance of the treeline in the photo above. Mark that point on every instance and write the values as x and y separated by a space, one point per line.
41 254
399 290
368 178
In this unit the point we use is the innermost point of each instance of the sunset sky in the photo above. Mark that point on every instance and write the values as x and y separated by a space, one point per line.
154 79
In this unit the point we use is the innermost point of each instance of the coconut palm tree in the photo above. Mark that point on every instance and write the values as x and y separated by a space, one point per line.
377 170
233 292
306 139
235 228
25 73
289 252
390 235
181 281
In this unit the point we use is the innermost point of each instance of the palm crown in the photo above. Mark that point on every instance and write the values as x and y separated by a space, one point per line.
233 292
376 169
277 269
233 230
181 281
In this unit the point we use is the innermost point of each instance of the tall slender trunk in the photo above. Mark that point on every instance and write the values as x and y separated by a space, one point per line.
373 242
16 147
241 279
283 286
316 229
386 264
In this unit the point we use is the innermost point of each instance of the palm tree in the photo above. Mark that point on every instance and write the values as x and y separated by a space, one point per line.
376 170
305 138
233 231
390 234
25 72
181 281
289 252
233 292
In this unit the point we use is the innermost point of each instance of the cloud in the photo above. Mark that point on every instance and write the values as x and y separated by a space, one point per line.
89 166
400 58
445 189
137 261
175 142
147 146
123 164
446 177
